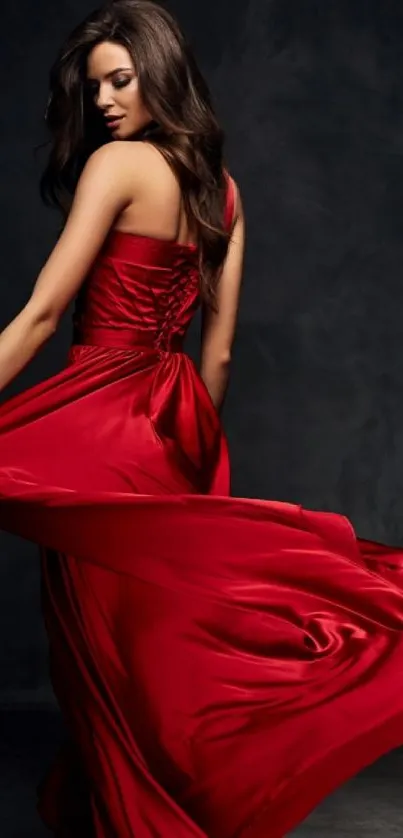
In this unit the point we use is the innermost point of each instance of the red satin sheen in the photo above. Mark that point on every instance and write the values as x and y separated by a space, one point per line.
221 663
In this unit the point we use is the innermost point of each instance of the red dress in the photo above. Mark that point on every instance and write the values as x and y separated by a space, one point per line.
221 663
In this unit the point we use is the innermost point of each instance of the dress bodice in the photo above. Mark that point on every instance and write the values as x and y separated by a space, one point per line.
140 290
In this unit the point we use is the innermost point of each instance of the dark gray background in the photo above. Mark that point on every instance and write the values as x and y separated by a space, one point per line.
310 94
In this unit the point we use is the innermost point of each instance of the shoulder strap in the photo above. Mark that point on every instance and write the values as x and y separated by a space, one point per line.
230 203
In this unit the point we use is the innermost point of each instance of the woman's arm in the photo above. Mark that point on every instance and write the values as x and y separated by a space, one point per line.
101 194
218 328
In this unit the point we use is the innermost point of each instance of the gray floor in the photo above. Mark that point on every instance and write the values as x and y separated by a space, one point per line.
370 805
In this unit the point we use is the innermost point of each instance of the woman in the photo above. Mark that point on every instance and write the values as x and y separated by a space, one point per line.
221 663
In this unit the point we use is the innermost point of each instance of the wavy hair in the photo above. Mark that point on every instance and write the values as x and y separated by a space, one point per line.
184 126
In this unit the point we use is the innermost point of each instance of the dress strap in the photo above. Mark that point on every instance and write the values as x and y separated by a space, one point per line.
230 203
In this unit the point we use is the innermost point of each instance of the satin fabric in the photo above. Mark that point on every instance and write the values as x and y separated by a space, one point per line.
221 663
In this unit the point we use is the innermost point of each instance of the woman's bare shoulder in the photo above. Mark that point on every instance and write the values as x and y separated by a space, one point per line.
152 168
134 153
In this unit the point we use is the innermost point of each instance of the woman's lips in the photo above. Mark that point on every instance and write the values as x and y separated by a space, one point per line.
113 123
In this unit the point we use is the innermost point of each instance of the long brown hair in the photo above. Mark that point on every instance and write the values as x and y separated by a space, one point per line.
184 125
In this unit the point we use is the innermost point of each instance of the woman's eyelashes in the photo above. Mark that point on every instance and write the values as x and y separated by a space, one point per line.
93 89
121 82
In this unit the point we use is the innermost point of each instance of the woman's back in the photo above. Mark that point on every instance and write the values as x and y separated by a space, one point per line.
156 209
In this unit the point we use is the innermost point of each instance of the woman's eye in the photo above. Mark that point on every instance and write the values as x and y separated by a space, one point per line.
93 89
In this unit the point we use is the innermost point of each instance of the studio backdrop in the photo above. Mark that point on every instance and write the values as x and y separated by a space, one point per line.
310 95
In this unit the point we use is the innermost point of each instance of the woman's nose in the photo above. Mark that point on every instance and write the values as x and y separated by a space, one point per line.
105 98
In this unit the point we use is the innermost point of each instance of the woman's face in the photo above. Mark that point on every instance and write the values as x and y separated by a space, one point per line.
114 86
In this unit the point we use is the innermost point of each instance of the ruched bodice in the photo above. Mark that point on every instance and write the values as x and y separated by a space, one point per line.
140 291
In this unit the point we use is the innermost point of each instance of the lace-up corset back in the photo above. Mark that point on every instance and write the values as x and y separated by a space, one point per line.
140 291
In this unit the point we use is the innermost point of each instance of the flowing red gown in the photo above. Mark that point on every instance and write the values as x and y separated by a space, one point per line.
221 663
